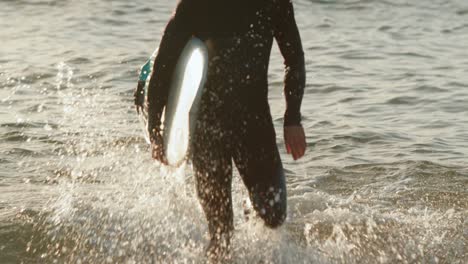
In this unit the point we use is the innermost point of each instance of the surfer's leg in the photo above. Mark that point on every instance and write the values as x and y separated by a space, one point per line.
213 172
259 164
264 179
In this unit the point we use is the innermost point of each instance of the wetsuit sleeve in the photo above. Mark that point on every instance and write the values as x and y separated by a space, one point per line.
289 42
176 34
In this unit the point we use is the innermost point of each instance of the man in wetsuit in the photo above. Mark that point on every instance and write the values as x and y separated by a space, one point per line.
234 122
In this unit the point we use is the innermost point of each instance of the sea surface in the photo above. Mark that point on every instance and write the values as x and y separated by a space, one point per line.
384 179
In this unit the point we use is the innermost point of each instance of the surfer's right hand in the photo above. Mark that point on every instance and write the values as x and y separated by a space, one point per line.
295 140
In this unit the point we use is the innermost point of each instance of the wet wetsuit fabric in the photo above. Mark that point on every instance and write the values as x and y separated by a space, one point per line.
234 122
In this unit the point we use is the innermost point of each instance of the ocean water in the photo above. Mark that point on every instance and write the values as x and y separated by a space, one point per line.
384 179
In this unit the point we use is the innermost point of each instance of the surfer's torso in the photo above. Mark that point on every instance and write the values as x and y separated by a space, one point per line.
239 35
238 59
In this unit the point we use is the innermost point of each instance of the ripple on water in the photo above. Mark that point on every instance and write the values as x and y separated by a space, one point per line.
403 100
351 99
22 152
14 136
361 137
79 61
360 55
33 77
457 84
410 55
462 12
430 88
22 125
437 124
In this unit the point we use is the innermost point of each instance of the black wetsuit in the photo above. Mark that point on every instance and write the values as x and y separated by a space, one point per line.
234 119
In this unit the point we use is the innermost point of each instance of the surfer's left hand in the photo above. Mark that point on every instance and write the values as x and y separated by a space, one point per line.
158 153
157 148
294 138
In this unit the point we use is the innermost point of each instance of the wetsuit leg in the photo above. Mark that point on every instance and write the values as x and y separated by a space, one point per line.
212 164
259 164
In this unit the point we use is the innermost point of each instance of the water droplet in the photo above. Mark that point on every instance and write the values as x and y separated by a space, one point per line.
277 197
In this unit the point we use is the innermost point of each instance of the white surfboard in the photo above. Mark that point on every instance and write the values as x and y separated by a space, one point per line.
183 100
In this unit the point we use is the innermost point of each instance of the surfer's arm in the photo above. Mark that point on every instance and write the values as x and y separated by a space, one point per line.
176 34
289 42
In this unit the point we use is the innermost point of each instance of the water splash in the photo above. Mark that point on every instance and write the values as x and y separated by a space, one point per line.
64 76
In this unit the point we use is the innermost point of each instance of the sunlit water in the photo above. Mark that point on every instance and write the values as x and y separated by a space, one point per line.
386 113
